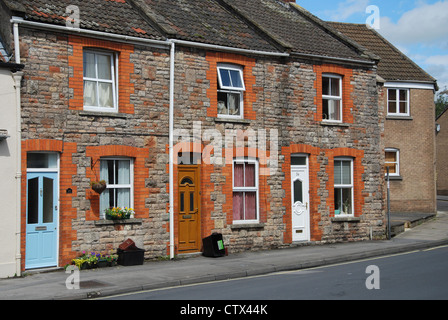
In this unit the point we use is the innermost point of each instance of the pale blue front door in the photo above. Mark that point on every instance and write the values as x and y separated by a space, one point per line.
42 220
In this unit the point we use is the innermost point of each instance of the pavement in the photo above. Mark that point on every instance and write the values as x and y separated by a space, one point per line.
424 232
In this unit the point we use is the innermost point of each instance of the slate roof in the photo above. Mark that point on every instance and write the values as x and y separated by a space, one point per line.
262 25
110 16
394 65
206 21
295 27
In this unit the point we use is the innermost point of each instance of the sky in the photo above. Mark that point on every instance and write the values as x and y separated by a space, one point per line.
419 28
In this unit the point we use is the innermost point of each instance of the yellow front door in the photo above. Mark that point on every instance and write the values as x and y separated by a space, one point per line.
189 216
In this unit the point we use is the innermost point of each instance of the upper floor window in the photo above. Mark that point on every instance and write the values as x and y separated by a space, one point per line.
100 81
398 102
230 91
332 98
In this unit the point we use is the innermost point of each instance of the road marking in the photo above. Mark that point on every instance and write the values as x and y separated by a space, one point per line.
435 248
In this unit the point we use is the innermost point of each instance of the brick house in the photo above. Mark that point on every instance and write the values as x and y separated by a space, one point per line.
273 137
442 153
409 129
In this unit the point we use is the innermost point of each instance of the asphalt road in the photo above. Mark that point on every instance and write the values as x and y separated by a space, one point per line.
418 275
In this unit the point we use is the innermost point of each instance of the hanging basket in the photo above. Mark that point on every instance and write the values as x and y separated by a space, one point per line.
98 186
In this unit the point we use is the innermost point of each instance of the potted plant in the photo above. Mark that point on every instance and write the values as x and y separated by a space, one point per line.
117 213
98 186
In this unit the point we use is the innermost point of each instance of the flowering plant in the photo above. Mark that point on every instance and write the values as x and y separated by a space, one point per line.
117 213
92 260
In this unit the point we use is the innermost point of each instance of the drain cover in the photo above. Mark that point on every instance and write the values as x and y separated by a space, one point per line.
92 284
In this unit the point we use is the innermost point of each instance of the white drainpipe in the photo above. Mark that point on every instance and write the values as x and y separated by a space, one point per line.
171 160
17 79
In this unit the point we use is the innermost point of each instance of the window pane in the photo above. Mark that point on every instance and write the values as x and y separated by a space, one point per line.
403 95
336 110
225 77
392 167
391 156
392 94
187 180
392 107
325 111
403 107
326 86
191 201
90 93
233 103
123 175
250 205
238 171
346 172
89 65
33 200
48 200
337 172
222 103
337 201
104 67
236 79
105 94
298 193
182 202
347 201
123 197
335 87
42 160
298 161
238 206
250 175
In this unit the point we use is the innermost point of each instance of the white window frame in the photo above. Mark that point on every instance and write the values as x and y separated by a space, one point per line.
333 98
120 186
397 161
114 81
398 113
345 186
247 189
231 89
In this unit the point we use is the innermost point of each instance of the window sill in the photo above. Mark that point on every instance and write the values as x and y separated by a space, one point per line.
334 124
246 226
105 222
103 114
231 120
390 117
345 219
396 178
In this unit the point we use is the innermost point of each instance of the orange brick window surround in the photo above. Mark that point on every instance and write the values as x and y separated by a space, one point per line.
141 173
347 89
214 58
125 69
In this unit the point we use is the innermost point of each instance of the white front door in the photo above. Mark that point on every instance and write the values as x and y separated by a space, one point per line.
300 198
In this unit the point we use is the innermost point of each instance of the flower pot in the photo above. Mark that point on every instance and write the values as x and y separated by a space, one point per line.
99 187
102 263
